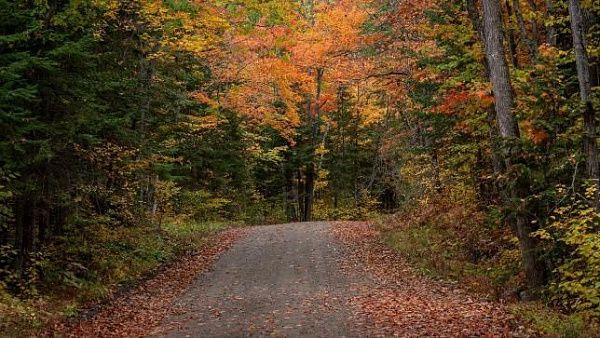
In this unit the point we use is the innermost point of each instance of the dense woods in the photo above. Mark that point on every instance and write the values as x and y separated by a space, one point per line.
127 126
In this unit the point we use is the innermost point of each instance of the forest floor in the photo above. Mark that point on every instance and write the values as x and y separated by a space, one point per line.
296 280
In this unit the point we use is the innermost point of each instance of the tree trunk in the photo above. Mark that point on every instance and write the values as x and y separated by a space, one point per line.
475 19
289 193
309 191
585 89
300 194
493 134
499 75
310 174
551 31
529 41
509 131
512 41
24 234
435 164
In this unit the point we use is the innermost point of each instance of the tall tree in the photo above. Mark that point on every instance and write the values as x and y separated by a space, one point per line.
509 131
578 30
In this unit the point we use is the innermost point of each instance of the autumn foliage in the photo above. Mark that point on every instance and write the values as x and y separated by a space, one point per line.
128 121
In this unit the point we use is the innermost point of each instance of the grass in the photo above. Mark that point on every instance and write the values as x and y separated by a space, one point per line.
553 323
89 270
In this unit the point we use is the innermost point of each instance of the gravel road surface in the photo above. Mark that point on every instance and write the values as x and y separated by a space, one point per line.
278 281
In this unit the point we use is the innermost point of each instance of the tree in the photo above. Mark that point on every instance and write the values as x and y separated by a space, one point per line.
578 30
509 131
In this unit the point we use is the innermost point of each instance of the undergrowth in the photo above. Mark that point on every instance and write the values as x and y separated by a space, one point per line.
452 241
89 271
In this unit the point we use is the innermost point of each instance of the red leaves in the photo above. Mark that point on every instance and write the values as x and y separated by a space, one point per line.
137 311
452 100
406 305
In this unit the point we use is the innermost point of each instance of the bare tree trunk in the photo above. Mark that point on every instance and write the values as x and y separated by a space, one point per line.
509 131
309 191
290 193
300 194
499 75
24 235
493 134
535 30
435 164
585 89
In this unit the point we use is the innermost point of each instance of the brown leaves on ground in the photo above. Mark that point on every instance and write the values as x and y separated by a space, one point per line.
406 305
137 311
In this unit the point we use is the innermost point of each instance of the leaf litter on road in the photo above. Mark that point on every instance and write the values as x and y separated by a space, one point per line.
138 310
404 304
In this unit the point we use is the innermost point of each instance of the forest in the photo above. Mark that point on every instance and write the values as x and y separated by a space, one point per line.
465 130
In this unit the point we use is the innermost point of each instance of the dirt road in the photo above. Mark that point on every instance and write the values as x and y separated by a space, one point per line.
278 281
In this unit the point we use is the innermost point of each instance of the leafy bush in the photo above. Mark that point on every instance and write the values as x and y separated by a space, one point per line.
201 205
574 233
347 209
456 241
87 264
552 323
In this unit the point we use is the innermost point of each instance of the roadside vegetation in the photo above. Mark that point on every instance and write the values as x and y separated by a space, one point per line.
131 130
79 273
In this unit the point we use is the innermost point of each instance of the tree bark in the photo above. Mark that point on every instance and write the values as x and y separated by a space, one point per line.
310 174
309 191
499 74
24 232
509 131
585 89
300 194
493 134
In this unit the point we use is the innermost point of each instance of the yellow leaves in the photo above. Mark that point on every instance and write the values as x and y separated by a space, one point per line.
193 31
548 51
372 113
590 192
542 234
199 123
576 225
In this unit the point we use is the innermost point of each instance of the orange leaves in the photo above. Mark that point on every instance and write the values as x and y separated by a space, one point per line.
268 87
536 134
272 66
202 97
485 97
403 303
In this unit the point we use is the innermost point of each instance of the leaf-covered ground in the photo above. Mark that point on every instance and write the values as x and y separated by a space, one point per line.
134 312
403 304
295 280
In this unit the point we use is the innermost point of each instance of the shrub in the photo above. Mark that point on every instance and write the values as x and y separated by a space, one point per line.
574 233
